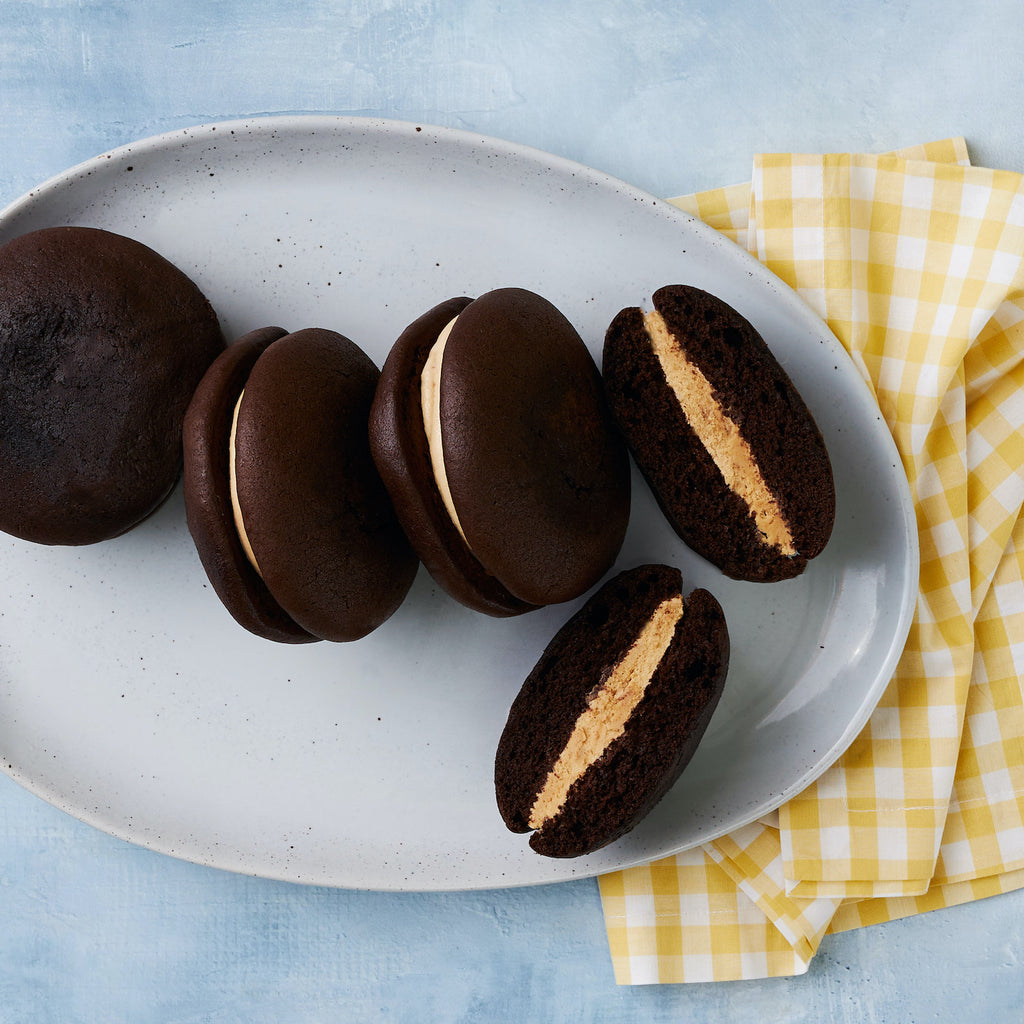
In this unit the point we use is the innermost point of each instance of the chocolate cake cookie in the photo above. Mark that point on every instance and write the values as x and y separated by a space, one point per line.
611 713
291 521
102 342
491 432
720 433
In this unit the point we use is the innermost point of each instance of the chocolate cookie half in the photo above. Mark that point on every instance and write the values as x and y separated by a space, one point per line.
611 713
291 521
491 432
102 342
720 433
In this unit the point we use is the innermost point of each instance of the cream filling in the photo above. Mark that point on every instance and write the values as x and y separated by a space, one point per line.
236 508
608 710
718 433
430 404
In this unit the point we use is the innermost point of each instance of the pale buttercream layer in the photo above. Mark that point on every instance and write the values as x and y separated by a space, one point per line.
430 405
608 710
719 433
236 508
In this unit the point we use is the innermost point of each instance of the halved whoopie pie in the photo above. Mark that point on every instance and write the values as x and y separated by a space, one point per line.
721 434
612 712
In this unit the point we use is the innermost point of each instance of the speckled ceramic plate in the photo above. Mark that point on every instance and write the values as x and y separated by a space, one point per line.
129 698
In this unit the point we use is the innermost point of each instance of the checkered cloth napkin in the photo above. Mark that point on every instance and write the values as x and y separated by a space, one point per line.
916 262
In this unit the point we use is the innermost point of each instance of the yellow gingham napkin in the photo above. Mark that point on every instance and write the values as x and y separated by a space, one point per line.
916 262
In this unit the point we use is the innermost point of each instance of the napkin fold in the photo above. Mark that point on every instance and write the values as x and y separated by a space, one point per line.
915 260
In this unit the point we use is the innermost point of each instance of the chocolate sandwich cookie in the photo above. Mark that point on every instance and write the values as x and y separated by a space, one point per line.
291 521
611 713
102 342
491 432
716 426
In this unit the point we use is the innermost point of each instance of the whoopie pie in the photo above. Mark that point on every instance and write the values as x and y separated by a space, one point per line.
492 434
289 516
102 342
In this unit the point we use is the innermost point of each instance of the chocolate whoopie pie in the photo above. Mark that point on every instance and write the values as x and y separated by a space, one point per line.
720 433
611 713
491 432
102 342
291 521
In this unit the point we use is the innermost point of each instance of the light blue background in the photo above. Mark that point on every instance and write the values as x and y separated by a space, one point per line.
673 97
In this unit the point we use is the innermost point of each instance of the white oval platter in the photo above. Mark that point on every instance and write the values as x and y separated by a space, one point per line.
130 699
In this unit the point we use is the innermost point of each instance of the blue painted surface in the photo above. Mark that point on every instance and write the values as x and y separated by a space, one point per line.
671 96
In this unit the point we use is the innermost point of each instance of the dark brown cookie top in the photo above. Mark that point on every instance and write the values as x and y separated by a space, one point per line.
318 518
758 396
206 484
102 343
660 736
399 443
537 472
